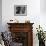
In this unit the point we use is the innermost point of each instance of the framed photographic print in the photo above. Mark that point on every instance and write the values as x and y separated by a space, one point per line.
20 10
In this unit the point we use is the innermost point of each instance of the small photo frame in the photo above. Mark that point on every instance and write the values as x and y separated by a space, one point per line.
20 10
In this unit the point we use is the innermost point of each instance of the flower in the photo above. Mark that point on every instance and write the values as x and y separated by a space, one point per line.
40 33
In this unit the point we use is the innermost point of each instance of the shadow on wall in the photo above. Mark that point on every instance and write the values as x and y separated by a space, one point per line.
0 15
43 6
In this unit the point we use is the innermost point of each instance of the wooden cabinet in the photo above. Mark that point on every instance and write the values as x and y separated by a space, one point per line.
22 33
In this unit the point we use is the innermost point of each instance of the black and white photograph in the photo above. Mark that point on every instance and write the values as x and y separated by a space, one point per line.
20 10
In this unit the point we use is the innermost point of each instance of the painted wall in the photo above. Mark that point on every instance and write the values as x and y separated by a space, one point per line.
43 14
0 15
43 6
33 10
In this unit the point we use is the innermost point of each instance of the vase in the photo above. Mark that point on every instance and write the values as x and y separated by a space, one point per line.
41 43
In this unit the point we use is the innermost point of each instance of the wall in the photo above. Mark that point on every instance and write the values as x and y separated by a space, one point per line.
43 14
33 10
43 6
0 15
33 14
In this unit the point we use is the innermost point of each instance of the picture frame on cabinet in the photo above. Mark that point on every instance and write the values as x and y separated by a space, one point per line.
20 10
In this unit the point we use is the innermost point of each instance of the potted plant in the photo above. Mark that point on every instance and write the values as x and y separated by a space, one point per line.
41 36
